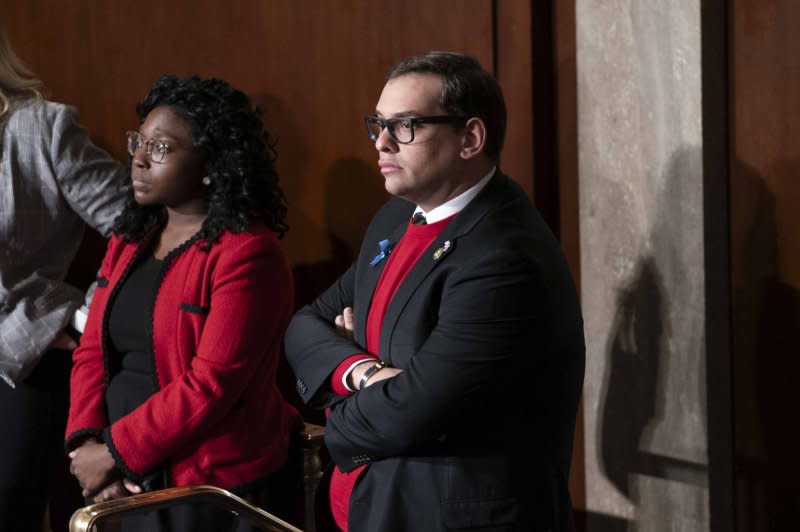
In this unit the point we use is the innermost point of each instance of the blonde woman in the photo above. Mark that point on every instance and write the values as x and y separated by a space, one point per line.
53 181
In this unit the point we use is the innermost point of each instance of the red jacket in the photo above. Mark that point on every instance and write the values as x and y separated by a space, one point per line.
217 323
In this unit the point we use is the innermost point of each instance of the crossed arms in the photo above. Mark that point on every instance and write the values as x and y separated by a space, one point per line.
489 315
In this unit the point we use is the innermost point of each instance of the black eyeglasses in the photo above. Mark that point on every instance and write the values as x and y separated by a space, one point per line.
402 129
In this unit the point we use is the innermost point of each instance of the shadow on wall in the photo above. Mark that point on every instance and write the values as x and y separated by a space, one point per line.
633 369
305 241
354 193
646 323
766 318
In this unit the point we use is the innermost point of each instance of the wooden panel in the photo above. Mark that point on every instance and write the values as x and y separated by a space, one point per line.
566 94
765 259
316 67
715 50
514 70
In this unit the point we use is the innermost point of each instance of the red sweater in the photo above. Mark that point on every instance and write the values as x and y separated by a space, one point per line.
407 252
217 324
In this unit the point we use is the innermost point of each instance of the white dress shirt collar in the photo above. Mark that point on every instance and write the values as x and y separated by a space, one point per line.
456 204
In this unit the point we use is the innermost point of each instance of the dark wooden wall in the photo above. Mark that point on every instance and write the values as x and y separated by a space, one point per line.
765 260
316 68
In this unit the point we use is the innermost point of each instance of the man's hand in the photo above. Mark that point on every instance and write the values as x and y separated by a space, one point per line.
344 323
63 341
93 466
344 327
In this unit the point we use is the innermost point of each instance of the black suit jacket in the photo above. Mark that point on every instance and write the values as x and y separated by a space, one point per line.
477 430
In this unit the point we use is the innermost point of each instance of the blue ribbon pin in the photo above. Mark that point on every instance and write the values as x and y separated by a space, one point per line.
384 247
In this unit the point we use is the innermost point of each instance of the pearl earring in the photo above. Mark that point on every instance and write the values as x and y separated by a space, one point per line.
207 180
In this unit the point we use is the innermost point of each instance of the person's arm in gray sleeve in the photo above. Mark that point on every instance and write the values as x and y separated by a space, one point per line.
94 184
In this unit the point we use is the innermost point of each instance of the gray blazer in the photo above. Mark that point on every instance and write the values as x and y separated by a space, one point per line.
52 180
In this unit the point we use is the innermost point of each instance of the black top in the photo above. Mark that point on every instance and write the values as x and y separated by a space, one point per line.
128 331
127 322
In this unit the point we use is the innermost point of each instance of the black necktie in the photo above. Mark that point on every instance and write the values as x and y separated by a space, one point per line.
418 219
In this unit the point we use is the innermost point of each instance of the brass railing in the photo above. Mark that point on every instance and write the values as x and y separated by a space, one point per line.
88 518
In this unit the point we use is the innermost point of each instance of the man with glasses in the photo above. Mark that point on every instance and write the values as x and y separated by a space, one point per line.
451 353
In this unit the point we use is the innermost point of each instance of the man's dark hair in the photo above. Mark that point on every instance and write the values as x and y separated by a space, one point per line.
239 155
467 90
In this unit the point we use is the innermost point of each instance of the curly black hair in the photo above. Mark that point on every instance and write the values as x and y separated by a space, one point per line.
239 154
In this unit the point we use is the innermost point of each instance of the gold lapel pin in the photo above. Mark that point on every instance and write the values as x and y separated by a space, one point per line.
441 251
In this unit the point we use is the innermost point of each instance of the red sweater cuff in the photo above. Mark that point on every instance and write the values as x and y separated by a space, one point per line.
336 378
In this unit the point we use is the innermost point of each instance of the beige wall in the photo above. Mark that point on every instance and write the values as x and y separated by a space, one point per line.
642 281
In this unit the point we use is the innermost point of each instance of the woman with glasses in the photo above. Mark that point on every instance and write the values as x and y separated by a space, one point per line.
175 380
53 181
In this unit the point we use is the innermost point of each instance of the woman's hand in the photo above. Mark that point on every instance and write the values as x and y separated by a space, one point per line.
117 490
93 466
